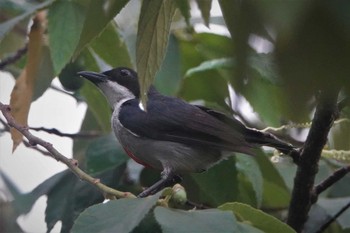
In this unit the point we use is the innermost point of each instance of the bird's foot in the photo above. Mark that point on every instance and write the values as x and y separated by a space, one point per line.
166 181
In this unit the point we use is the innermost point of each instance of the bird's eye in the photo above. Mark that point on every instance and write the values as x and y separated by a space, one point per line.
124 73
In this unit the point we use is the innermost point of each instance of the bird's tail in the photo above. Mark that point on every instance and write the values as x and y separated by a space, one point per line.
268 139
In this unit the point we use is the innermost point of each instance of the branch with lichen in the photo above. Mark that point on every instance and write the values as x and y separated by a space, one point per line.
72 164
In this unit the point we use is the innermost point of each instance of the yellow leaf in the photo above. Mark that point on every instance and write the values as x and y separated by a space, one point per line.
22 93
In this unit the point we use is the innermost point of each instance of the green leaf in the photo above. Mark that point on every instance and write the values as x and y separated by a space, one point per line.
257 218
104 153
8 25
202 47
115 216
23 203
215 186
221 63
209 86
98 15
184 7
249 167
229 12
205 6
13 40
60 204
148 224
69 77
177 221
263 86
70 196
10 185
44 75
275 196
340 133
89 60
259 92
276 193
110 48
98 105
64 17
168 78
246 228
80 145
213 46
152 39
328 67
265 65
246 192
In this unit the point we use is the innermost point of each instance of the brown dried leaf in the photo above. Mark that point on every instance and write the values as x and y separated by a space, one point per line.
22 93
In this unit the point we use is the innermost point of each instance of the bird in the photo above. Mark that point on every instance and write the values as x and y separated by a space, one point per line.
170 134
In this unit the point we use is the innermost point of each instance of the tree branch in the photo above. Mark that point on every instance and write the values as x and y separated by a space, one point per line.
44 152
72 164
326 113
329 181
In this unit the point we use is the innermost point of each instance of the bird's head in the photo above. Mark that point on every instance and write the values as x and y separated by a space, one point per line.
117 84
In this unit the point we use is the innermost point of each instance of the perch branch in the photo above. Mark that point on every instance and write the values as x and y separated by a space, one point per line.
72 164
301 201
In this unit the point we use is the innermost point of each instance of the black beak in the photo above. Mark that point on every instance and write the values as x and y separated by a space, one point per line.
93 76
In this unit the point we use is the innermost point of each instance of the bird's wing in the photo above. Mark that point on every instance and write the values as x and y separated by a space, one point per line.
251 135
171 119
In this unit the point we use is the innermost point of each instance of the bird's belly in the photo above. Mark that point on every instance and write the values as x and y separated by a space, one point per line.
165 154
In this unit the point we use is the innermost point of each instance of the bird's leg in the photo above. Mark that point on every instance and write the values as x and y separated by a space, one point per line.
168 179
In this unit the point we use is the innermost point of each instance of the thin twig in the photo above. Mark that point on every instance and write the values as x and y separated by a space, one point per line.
13 58
76 97
72 164
331 220
329 181
90 134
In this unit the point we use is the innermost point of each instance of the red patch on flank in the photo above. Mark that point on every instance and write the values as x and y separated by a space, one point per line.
137 160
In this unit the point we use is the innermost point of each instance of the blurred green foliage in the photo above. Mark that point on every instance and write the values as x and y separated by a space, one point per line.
304 48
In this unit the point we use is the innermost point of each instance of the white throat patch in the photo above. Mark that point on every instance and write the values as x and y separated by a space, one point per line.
115 93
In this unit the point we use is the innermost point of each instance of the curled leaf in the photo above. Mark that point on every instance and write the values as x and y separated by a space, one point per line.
22 93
